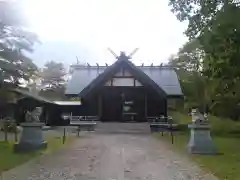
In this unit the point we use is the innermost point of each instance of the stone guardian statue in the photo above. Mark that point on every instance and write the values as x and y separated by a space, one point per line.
198 117
34 115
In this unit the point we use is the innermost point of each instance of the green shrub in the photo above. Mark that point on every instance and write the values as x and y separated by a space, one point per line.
219 126
8 125
224 127
180 118
182 127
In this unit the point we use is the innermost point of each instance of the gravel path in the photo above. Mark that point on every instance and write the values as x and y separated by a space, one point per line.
111 157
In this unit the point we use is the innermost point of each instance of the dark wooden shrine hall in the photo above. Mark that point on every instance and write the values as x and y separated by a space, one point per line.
124 92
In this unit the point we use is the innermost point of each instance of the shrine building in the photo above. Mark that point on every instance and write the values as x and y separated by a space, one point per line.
124 92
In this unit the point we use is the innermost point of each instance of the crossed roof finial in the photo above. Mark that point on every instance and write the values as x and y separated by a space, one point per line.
123 55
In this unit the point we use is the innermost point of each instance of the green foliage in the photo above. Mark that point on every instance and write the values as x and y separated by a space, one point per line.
208 65
189 57
215 26
53 81
200 14
15 40
75 99
53 75
8 125
222 45
220 126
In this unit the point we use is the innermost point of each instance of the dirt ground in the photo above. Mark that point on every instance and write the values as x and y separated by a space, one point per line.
111 157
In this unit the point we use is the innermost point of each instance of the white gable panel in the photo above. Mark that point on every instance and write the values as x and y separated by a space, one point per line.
123 82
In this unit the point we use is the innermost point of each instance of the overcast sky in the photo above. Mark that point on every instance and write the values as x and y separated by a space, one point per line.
86 28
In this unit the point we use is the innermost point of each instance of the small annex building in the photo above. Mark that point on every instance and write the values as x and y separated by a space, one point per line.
124 92
52 110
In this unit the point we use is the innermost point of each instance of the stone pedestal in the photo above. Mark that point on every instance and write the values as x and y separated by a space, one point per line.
200 140
31 138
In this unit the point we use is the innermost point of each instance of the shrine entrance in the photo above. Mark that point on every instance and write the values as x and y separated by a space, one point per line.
123 104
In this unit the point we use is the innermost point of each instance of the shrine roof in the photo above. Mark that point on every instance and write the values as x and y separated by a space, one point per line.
164 76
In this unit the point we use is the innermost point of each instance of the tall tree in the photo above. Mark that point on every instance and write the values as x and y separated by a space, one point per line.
14 41
53 81
53 75
201 14
189 64
215 25
189 56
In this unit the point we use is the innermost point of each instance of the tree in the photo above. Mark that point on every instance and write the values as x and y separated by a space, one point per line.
189 64
14 41
201 14
216 27
222 45
53 81
53 75
189 57
34 83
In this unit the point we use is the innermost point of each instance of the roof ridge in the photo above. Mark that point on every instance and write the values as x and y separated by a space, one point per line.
102 66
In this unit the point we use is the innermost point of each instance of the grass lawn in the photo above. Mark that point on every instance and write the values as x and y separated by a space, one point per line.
225 166
9 159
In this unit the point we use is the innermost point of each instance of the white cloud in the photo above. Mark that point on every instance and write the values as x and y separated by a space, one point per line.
119 24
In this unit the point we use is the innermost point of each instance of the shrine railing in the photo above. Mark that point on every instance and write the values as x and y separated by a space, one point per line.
162 124
160 119
83 118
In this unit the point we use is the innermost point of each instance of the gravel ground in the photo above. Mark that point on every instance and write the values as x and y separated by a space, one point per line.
111 157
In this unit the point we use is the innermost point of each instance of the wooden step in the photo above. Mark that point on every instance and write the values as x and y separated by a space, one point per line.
115 127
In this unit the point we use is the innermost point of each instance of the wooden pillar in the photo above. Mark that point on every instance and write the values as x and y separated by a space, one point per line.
122 105
165 107
46 115
99 106
145 108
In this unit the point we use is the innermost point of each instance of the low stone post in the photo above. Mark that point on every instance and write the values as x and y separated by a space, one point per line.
200 138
